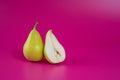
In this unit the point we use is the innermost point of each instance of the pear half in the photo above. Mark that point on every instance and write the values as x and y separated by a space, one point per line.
53 50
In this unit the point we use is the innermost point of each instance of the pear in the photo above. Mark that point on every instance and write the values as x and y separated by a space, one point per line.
33 47
53 50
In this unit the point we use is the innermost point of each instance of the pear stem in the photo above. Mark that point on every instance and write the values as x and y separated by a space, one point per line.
36 24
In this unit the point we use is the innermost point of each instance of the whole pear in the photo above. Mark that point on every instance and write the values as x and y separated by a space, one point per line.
33 47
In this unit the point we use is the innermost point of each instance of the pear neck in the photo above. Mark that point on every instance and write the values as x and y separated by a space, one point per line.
36 24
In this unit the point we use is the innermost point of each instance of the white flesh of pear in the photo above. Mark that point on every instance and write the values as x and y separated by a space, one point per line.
54 51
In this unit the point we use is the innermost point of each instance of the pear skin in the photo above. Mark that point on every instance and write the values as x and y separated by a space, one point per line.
33 46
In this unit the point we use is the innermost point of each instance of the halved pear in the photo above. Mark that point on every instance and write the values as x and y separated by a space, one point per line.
53 50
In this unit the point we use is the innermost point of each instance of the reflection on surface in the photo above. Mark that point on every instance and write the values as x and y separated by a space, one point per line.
37 71
56 73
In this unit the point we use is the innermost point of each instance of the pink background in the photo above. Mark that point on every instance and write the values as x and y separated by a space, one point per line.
88 29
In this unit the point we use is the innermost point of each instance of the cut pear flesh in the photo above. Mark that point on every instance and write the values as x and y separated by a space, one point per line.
53 51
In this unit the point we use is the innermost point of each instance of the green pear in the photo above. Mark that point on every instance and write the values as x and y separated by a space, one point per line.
54 52
33 47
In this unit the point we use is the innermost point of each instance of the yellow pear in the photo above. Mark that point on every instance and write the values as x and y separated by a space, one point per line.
33 47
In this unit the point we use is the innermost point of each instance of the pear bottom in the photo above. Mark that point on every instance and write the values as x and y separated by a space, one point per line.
33 57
